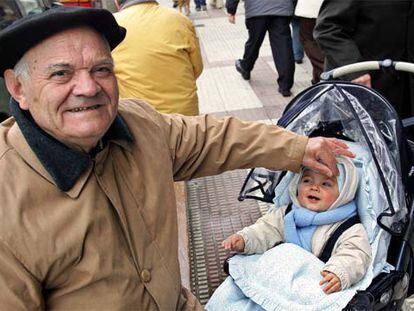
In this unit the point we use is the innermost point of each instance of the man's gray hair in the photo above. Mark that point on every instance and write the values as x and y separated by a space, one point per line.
21 69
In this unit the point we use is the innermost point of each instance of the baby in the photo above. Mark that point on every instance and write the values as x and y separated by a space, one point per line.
320 204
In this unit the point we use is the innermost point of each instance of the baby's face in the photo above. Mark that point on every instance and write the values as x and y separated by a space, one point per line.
316 191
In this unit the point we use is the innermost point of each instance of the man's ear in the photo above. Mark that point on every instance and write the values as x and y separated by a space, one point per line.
15 88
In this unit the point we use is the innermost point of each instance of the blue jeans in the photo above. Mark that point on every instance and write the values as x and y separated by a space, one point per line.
199 3
297 46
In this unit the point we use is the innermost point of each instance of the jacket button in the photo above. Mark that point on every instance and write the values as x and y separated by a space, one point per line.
145 276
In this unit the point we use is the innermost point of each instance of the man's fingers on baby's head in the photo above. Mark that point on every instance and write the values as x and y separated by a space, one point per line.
328 160
321 168
337 142
340 148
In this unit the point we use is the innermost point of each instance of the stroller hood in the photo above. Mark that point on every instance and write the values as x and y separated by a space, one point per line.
360 115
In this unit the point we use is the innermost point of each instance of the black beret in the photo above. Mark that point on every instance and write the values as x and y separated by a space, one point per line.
25 33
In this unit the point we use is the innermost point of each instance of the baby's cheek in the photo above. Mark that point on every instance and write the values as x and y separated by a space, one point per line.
301 200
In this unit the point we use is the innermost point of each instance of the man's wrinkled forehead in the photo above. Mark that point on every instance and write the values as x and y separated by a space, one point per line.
63 47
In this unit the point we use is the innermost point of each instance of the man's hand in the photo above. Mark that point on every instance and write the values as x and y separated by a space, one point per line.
232 19
234 242
333 283
364 80
320 154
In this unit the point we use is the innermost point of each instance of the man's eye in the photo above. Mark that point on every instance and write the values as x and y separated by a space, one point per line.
60 74
103 70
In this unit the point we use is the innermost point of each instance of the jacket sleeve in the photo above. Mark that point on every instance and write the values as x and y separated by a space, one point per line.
206 145
351 256
265 233
231 6
19 289
194 50
334 31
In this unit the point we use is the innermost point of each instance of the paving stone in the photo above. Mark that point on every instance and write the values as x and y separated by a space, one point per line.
223 89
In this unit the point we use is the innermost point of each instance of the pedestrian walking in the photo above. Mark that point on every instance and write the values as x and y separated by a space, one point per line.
306 13
273 17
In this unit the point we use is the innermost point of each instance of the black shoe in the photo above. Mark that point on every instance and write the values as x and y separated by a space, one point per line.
198 9
285 93
175 5
245 74
299 61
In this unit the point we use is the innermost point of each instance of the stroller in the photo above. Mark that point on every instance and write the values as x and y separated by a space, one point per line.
369 124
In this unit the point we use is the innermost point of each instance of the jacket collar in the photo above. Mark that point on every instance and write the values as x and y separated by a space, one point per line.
64 165
129 3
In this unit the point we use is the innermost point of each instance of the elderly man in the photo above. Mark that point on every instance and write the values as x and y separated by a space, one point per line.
87 214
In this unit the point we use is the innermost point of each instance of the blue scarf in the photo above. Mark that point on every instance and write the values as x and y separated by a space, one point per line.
301 223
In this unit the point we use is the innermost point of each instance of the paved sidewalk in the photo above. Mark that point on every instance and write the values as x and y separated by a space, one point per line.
212 210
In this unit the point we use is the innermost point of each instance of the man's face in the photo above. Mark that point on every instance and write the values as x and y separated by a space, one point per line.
72 92
317 192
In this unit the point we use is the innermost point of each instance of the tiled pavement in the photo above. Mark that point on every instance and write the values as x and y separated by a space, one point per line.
212 209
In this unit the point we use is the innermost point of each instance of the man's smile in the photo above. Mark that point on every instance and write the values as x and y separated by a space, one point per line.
80 109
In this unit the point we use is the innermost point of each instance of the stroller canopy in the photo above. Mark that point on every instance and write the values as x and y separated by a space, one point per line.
354 113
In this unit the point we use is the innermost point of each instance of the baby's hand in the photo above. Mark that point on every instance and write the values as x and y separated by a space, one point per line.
333 283
234 242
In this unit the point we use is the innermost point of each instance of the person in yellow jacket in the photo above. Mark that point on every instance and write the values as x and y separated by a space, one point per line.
159 60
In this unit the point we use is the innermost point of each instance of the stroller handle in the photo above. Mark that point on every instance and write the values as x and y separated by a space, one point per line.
386 64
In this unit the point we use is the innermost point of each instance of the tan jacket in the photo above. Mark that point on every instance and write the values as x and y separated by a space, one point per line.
351 255
110 242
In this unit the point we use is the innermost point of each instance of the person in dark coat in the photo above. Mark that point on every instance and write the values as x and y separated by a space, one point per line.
271 16
361 30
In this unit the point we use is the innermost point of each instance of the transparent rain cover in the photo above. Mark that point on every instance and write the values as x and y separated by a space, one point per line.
364 117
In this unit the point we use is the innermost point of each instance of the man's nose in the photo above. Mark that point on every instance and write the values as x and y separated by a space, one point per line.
85 85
